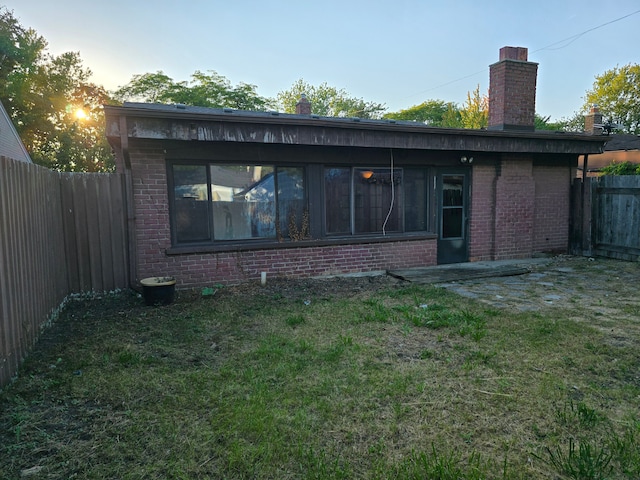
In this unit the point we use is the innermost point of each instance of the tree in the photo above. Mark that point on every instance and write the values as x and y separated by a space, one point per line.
617 94
147 87
624 168
475 111
203 90
573 124
43 94
436 113
328 101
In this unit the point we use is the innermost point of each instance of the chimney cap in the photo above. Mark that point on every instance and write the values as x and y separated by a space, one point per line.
514 53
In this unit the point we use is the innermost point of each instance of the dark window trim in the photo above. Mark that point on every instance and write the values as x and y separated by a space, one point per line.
316 211
268 245
208 163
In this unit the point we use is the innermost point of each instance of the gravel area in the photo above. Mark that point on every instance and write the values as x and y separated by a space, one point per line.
602 291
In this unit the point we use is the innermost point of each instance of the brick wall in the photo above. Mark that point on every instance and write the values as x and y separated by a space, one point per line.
236 267
153 237
482 214
515 201
518 209
552 209
151 204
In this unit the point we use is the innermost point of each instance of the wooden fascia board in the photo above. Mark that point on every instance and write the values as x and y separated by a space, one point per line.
162 125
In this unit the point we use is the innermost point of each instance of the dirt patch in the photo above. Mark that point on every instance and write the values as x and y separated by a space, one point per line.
318 288
602 286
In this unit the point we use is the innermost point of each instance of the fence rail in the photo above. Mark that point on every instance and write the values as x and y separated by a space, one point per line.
60 233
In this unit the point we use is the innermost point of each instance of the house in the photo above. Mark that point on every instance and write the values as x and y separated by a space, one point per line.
620 148
10 144
220 195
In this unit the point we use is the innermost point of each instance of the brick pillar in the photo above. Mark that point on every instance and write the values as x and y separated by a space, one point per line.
512 91
593 118
303 107
515 209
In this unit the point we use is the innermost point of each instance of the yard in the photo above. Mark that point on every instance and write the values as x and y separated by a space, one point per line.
534 376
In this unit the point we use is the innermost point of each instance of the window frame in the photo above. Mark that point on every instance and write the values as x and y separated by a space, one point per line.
315 204
211 241
429 206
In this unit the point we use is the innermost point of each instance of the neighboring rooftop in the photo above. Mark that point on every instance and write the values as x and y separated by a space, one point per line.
10 144
622 141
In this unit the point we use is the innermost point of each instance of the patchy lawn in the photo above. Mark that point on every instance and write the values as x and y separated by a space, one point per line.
343 378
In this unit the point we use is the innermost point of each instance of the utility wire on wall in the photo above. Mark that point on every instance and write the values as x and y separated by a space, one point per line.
393 197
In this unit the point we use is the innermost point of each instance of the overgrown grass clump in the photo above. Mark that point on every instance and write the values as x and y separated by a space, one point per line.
407 383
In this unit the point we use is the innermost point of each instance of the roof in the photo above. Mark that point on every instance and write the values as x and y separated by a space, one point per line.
621 148
181 122
10 144
622 141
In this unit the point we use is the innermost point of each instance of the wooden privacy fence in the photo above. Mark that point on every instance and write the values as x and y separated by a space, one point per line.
60 233
606 213
94 220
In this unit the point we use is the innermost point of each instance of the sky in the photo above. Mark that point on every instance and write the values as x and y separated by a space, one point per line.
396 52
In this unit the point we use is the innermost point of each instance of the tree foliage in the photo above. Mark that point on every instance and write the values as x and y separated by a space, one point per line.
435 113
473 114
624 168
475 111
203 90
617 94
327 101
43 94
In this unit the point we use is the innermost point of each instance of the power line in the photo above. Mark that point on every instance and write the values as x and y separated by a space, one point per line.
577 36
570 40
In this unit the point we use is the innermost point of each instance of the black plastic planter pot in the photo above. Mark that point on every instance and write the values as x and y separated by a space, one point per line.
158 290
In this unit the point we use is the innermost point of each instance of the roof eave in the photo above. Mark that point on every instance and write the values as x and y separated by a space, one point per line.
313 130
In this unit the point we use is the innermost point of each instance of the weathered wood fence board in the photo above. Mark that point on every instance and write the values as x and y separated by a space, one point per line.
95 231
606 217
616 217
33 278
59 234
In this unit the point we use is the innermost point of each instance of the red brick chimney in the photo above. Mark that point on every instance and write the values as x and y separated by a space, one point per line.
303 107
512 91
591 119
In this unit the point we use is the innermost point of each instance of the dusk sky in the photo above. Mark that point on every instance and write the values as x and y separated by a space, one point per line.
399 53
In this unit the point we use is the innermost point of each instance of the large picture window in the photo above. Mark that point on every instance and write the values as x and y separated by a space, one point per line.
237 202
375 200
222 203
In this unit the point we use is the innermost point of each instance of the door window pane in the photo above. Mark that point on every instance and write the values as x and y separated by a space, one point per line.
452 206
452 223
452 190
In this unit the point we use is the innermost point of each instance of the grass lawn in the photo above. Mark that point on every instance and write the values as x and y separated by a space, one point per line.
322 381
